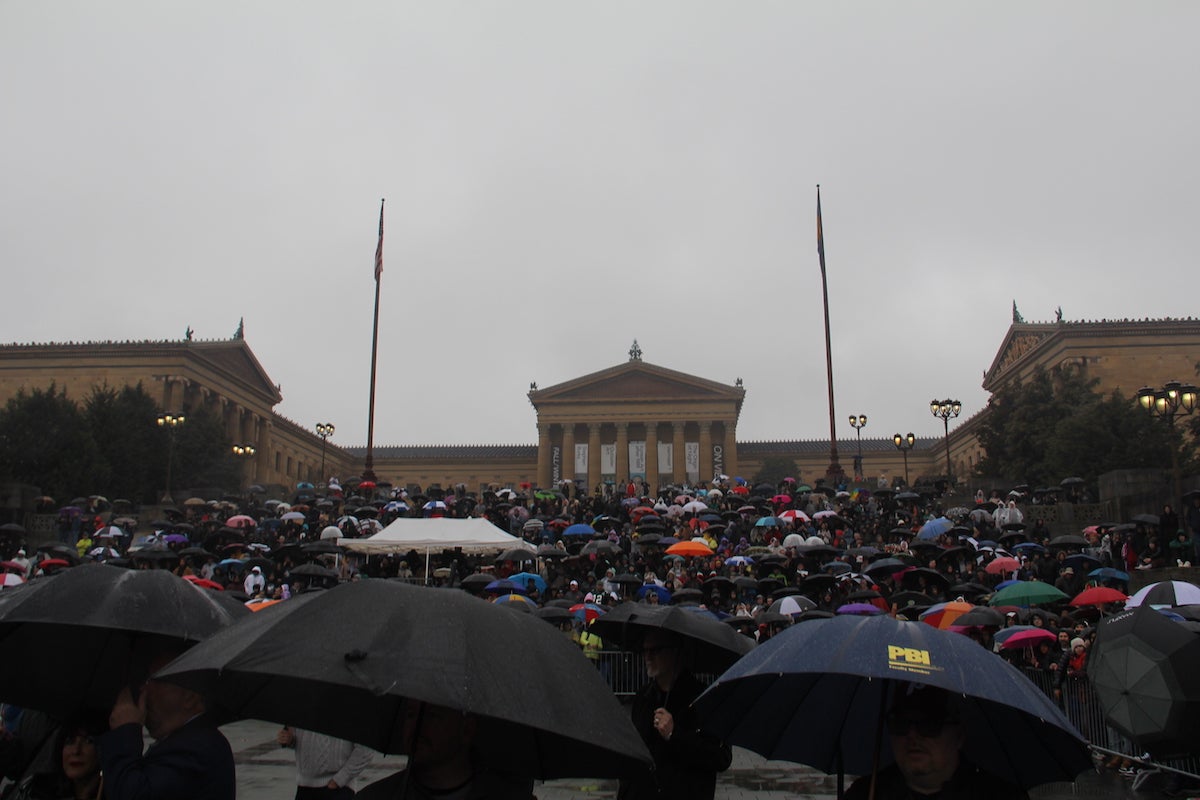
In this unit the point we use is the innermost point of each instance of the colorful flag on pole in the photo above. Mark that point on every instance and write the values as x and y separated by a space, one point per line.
820 233
379 247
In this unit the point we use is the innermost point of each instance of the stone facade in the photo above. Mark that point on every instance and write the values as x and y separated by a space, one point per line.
634 419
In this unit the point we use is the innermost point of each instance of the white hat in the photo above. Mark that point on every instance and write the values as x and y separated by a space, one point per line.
21 552
574 583
256 569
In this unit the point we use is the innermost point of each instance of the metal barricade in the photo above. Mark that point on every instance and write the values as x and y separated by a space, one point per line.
1079 703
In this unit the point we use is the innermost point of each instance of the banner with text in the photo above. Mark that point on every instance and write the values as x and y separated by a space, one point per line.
581 459
555 464
666 459
608 459
637 459
691 460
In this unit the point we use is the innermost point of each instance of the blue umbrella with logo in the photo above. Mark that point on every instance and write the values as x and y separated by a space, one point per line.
817 693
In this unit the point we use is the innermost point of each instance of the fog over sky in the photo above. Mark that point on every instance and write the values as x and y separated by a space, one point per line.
562 178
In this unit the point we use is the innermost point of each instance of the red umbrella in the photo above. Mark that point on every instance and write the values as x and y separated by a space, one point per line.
204 582
1001 565
1098 596
1029 638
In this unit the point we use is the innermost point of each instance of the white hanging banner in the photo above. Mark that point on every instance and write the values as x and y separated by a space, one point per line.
608 459
637 459
666 458
691 460
581 459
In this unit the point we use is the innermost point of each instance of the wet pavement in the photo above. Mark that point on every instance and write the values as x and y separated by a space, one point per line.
265 771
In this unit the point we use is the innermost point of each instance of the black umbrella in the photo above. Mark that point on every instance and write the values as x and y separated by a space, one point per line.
1143 670
88 631
981 615
517 554
1145 519
1068 540
313 571
433 645
709 645
816 693
555 615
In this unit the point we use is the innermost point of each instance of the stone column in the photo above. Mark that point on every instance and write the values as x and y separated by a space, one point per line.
706 467
593 475
652 457
622 453
543 463
731 465
262 448
568 451
678 459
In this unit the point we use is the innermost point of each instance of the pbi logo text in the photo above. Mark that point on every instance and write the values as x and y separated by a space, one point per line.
909 659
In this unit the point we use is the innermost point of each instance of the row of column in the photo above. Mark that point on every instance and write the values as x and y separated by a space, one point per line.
711 460
242 425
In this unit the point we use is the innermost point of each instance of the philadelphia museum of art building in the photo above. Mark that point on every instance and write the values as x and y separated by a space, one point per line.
631 420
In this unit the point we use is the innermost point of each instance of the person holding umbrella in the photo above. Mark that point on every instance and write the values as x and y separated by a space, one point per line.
686 761
927 734
190 757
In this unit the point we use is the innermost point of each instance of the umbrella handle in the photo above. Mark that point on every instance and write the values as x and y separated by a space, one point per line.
883 701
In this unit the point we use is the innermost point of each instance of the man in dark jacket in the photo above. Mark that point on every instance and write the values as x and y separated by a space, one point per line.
686 762
190 757
927 736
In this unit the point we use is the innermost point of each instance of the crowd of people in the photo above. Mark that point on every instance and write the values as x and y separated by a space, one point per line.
751 549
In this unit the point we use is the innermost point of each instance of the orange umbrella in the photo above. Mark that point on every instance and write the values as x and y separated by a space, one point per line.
690 547
942 616
1098 596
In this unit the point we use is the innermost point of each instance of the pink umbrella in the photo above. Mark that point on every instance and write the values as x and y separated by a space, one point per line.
999 566
1029 639
241 521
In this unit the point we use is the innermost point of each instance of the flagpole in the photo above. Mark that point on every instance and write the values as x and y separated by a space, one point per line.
834 473
369 464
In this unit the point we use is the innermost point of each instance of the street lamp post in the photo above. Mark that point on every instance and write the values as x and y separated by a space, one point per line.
1173 399
243 451
858 423
947 410
324 430
904 444
171 422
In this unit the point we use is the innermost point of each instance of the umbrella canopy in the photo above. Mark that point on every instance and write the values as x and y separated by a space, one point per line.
943 615
1098 596
1028 638
980 615
1025 594
690 547
815 694
1143 670
87 632
432 645
522 579
1165 593
708 644
999 566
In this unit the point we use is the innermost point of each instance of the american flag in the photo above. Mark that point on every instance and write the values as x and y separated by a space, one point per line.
379 247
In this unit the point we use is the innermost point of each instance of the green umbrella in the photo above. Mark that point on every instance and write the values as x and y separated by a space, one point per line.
1025 594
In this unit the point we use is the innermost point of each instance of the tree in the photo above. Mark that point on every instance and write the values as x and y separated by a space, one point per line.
45 441
1057 425
203 457
775 469
124 428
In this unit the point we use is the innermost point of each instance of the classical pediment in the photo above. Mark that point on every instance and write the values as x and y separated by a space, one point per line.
234 359
636 381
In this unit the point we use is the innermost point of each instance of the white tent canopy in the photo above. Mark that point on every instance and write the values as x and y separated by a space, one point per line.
435 534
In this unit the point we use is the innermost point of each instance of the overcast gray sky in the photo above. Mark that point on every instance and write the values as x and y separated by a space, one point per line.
563 178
